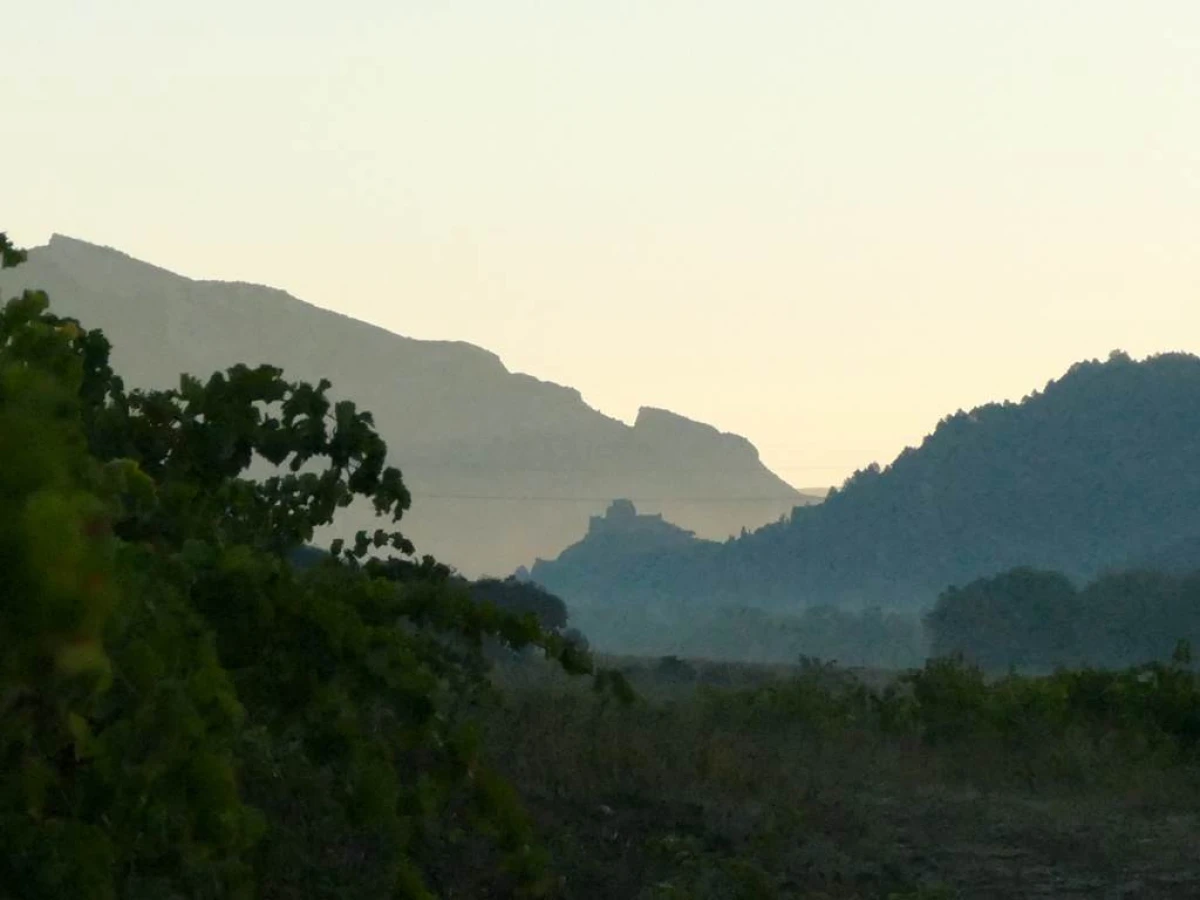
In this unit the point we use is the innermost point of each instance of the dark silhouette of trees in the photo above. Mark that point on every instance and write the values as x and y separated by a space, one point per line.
1024 617
1038 620
522 598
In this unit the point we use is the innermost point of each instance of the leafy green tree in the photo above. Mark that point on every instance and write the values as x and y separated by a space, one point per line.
118 720
523 598
1024 618
184 713
1138 616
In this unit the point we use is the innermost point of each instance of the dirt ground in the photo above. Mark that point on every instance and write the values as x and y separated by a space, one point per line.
655 803
940 843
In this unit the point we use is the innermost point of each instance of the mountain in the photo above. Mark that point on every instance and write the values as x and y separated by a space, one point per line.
1099 468
503 467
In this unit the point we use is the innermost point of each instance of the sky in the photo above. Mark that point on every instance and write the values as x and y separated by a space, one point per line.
820 225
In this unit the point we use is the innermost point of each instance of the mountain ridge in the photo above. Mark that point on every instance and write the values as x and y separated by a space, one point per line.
1097 468
503 466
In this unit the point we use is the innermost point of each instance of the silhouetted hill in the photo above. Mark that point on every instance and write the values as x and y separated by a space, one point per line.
463 429
1099 468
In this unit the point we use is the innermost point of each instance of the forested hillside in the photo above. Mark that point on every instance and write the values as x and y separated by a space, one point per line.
1096 471
505 467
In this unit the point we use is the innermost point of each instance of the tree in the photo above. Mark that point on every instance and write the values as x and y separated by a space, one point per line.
523 598
171 686
1023 617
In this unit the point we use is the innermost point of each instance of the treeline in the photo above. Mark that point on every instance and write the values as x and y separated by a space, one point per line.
512 595
1150 709
1034 619
1030 620
872 637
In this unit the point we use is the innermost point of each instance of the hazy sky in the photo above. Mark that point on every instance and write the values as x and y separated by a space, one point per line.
822 225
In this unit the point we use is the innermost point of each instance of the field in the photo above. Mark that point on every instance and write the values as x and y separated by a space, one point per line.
755 782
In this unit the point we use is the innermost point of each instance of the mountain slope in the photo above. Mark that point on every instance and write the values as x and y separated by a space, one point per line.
1101 467
462 428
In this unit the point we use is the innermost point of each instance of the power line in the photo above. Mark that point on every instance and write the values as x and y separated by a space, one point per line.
417 494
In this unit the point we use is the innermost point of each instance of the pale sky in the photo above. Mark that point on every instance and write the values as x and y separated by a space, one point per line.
822 225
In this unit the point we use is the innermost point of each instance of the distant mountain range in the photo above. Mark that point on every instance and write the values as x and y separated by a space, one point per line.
1099 470
503 467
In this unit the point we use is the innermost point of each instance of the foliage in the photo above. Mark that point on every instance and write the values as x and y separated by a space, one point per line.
814 781
949 701
1019 618
522 598
1033 620
673 667
820 696
1155 707
872 636
171 686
